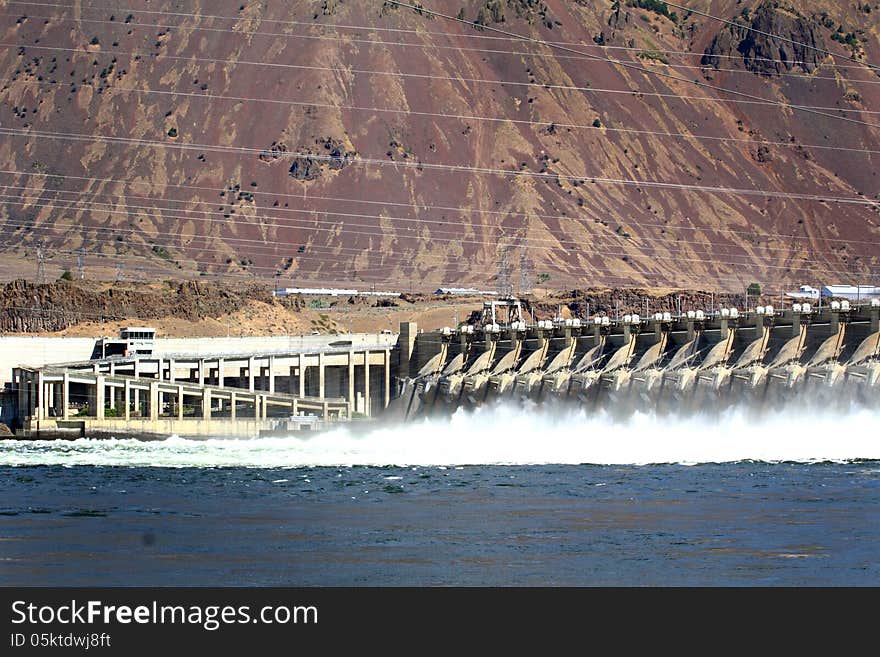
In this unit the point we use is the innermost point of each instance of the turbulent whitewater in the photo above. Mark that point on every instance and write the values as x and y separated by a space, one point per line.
505 435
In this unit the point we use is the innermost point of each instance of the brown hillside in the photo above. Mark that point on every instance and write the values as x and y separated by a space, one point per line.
262 138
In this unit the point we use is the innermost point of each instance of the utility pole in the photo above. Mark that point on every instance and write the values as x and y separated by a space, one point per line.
504 286
41 264
525 273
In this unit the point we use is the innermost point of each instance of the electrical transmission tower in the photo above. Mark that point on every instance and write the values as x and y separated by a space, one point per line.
505 288
81 263
120 270
41 264
525 273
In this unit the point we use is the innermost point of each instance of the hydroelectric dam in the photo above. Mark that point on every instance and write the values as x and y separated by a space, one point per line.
148 386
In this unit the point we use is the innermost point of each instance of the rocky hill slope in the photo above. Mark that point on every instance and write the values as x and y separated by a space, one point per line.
358 142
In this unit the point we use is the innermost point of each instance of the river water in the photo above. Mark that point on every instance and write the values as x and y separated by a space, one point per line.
500 496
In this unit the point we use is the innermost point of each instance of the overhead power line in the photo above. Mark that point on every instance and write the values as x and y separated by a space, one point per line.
414 206
310 221
363 161
436 46
368 28
712 256
503 119
636 67
770 34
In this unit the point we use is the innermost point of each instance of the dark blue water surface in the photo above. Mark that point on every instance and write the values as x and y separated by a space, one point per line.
731 524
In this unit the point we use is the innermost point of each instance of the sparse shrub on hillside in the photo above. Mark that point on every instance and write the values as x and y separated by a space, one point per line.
66 275
654 56
656 6
162 252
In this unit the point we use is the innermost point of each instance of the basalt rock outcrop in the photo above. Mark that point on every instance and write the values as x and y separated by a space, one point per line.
773 41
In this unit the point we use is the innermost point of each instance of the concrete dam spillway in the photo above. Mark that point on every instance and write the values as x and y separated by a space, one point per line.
697 360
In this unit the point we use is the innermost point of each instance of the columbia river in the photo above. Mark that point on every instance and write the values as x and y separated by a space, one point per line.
500 497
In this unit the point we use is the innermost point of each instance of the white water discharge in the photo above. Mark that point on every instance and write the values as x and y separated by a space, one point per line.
501 435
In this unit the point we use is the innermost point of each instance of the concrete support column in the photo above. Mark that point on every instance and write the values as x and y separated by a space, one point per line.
834 323
271 373
232 402
160 366
50 397
171 370
627 333
65 396
294 407
18 381
112 395
137 401
179 402
154 401
387 378
325 410
321 375
406 343
206 404
263 407
219 372
136 368
875 319
350 378
99 398
41 397
250 368
725 327
201 374
690 328
367 382
126 397
759 325
795 323
302 376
